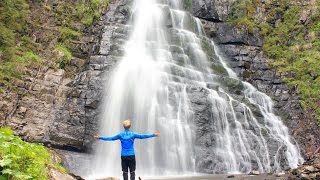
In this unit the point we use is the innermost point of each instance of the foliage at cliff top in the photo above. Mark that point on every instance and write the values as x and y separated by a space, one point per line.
32 33
22 160
291 34
16 52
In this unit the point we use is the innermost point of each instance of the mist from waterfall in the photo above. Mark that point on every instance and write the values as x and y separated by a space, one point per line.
165 58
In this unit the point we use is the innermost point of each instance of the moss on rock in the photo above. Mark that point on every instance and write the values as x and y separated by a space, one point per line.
219 69
291 39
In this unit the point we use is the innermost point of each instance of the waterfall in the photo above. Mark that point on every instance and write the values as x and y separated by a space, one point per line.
172 79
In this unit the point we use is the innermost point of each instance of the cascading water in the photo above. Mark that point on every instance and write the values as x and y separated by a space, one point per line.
167 59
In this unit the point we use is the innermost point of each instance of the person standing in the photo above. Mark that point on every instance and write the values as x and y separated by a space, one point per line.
127 137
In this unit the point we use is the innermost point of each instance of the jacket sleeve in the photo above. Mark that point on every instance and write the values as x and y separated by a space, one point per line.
143 136
110 138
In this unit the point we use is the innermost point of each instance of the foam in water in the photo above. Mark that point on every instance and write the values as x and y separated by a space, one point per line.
166 56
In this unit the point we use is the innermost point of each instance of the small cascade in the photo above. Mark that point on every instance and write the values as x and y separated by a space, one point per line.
173 79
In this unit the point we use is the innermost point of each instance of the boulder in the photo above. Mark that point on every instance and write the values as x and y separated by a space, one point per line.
231 176
304 177
309 169
255 173
280 174
56 175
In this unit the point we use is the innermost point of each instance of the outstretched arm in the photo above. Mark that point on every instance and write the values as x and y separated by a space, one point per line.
145 136
109 138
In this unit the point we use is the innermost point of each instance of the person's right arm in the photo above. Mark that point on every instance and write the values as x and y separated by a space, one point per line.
108 138
145 136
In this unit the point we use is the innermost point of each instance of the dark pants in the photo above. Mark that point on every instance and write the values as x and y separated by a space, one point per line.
128 162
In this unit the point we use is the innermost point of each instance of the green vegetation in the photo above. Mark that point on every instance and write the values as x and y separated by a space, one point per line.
293 45
67 33
84 11
23 43
242 14
187 5
219 69
21 160
74 18
66 55
16 49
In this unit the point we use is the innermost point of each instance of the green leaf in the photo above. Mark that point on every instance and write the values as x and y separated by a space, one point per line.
5 145
23 176
5 162
7 171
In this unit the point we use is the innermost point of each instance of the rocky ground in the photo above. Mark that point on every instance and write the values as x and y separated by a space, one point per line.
279 176
310 170
221 177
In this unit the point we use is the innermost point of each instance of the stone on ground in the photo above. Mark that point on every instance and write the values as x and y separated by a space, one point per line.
254 173
109 178
304 177
280 174
56 175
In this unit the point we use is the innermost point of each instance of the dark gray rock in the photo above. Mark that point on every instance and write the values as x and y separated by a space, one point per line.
215 11
75 162
228 34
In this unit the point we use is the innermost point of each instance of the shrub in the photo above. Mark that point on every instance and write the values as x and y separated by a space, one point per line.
21 160
66 55
68 33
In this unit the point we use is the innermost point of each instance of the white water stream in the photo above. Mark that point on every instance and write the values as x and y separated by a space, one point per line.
150 86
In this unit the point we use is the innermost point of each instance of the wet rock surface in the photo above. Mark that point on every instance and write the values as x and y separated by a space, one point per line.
207 123
244 54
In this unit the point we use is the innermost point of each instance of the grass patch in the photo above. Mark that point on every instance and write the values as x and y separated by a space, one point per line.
22 160
68 33
65 54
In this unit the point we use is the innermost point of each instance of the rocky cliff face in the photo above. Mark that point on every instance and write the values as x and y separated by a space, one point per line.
76 121
243 50
63 112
